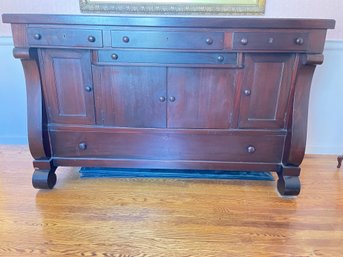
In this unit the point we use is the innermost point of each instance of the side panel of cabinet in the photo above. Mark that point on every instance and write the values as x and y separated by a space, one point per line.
67 86
265 90
200 97
127 96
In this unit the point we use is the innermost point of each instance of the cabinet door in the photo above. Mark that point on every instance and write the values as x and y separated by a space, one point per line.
200 97
67 86
265 90
130 96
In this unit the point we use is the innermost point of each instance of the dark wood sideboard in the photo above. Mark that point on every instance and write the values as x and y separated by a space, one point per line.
168 92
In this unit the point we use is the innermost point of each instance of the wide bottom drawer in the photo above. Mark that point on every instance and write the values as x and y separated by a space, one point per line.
168 145
171 145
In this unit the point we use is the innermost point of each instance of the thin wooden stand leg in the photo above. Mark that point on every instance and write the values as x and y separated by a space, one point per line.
339 160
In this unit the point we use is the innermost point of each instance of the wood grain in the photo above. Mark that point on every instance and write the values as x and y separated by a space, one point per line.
168 217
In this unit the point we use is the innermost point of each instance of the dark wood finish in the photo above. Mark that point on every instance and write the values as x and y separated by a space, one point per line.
168 92
68 86
156 145
203 97
162 21
168 39
64 37
283 41
266 89
163 58
130 96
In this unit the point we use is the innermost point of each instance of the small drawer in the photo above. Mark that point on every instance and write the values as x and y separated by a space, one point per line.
65 37
168 39
166 57
273 41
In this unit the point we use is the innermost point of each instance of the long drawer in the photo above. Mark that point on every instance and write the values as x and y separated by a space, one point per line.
168 39
166 57
173 145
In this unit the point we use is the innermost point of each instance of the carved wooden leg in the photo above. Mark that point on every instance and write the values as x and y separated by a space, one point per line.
339 160
288 183
44 176
44 179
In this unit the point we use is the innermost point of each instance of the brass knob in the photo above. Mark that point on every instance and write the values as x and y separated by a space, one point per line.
83 146
88 88
244 41
251 149
172 99
37 36
162 99
299 41
91 39
220 58
209 41
247 92
126 39
114 56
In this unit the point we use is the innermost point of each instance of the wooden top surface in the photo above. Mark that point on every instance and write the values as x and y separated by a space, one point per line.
170 21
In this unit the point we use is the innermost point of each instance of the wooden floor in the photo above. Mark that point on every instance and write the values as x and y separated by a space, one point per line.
156 217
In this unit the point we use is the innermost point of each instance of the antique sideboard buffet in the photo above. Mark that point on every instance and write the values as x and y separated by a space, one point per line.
168 92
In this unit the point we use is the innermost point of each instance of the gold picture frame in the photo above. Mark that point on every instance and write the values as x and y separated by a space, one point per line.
175 7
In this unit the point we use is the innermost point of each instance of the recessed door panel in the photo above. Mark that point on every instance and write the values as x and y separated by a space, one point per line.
130 96
265 90
200 97
67 86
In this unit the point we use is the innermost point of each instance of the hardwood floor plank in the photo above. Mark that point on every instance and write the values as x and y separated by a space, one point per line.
168 217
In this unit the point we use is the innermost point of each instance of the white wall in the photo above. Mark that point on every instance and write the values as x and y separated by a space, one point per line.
325 122
325 125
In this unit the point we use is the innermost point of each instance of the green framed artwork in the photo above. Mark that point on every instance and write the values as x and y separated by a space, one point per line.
175 7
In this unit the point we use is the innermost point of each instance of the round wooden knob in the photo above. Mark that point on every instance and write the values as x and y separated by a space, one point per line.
37 36
299 41
82 146
247 92
209 41
88 88
91 39
220 58
251 149
244 41
126 39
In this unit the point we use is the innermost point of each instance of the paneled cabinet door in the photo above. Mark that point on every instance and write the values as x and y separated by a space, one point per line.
265 90
200 97
67 86
130 96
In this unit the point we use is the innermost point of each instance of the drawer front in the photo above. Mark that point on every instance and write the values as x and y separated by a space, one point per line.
165 57
168 39
142 144
65 37
283 41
